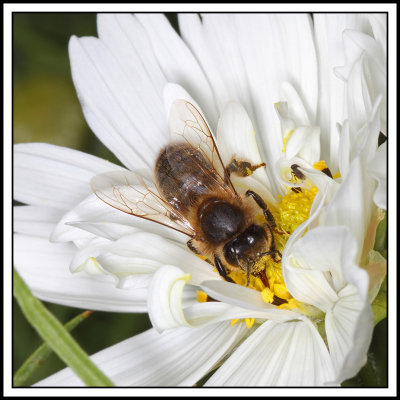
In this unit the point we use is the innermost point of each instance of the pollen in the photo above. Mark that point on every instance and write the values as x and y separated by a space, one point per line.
201 296
294 208
336 175
248 321
266 277
320 165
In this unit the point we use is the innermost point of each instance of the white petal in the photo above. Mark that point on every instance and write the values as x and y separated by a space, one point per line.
53 176
93 215
362 44
277 354
246 298
93 248
345 148
377 169
164 300
348 207
177 357
237 139
296 107
349 327
331 102
304 143
35 220
211 312
178 63
313 269
108 98
360 94
196 37
44 268
154 247
127 40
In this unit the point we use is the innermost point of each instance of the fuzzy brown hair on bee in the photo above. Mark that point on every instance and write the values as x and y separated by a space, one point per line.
191 192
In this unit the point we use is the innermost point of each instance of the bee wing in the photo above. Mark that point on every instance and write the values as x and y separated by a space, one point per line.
137 195
187 125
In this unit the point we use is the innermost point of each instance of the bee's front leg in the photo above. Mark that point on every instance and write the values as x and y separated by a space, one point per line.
221 269
267 214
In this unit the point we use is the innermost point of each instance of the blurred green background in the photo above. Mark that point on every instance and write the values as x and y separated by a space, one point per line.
46 109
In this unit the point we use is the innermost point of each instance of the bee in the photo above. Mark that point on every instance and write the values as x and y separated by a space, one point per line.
191 191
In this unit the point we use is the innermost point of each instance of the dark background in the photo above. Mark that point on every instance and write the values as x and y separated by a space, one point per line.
46 109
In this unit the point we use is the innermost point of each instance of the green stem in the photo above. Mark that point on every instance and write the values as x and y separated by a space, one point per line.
56 336
40 355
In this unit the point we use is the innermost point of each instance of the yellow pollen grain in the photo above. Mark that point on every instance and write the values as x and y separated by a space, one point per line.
294 208
281 291
248 321
320 165
336 175
201 296
267 295
290 305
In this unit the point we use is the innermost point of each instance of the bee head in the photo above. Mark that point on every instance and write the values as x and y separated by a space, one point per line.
247 248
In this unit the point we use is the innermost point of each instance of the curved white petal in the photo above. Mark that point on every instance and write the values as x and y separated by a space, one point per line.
177 357
245 298
296 108
54 176
349 324
359 94
349 327
157 248
91 250
164 300
377 169
44 268
331 100
364 45
277 354
36 220
313 269
304 143
349 207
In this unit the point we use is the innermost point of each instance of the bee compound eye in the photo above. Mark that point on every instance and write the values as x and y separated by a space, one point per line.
231 253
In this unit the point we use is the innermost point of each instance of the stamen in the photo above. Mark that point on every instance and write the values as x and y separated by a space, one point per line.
266 276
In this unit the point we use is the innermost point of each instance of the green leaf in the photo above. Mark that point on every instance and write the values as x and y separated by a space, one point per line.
379 305
381 237
39 356
56 336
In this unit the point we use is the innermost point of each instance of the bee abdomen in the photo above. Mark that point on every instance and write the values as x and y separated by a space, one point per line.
182 175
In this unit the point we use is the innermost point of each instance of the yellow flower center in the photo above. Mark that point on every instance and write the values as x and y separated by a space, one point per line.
291 210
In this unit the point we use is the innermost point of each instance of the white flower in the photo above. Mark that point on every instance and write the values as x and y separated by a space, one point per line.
312 90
